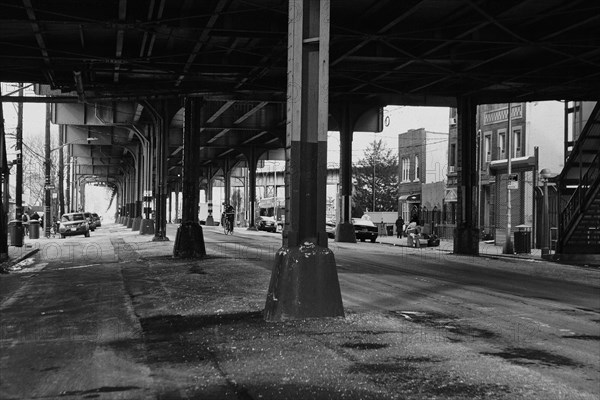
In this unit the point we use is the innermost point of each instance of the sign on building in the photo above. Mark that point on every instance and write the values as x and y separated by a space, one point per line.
513 182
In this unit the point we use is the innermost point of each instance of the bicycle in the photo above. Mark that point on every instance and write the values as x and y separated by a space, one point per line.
228 226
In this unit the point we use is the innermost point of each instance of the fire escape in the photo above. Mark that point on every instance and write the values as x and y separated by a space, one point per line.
579 191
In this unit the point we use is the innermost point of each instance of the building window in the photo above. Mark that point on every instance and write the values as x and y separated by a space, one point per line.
487 148
501 144
405 169
516 145
417 169
452 156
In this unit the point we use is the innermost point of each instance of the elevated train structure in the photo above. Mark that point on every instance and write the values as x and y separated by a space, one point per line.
180 91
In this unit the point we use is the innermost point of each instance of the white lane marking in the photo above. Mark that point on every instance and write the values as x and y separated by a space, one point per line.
77 267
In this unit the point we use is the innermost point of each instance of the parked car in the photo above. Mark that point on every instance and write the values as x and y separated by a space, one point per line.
365 229
330 229
73 224
90 220
264 223
97 220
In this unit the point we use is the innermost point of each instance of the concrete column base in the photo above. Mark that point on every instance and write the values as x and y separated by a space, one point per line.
137 222
130 223
189 241
210 221
344 232
304 284
466 241
147 227
252 228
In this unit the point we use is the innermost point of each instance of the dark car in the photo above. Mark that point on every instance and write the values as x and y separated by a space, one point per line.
330 229
90 220
365 229
97 220
73 224
264 223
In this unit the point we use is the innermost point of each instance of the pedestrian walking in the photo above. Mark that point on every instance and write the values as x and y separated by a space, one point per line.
25 220
399 227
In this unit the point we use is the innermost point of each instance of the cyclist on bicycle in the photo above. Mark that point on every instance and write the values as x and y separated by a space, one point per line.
228 217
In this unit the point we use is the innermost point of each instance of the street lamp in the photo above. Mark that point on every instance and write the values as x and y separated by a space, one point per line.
545 175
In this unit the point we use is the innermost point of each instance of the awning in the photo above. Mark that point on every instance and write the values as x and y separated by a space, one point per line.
516 164
411 198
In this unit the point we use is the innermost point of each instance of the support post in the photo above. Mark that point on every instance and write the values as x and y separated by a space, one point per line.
47 166
18 239
4 176
304 281
508 247
61 168
344 231
210 221
160 233
466 238
252 159
189 241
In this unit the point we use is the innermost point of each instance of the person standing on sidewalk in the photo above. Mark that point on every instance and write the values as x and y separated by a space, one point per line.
399 227
25 224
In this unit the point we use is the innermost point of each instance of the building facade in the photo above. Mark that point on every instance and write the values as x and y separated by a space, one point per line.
532 140
422 157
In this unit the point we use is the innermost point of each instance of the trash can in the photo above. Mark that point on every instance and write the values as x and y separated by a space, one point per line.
34 229
16 233
390 230
523 239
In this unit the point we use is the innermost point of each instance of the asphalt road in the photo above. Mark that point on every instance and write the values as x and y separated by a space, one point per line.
541 316
538 314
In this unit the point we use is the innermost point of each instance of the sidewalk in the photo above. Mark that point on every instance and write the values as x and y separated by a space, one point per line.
485 249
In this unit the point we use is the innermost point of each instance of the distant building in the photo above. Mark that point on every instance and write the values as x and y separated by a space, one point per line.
422 157
533 125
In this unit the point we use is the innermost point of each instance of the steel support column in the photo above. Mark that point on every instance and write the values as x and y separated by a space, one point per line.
18 239
210 220
189 241
466 238
147 224
252 160
304 282
162 149
344 231
227 169
4 176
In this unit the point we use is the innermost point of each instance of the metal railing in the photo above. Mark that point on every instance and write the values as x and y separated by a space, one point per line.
587 187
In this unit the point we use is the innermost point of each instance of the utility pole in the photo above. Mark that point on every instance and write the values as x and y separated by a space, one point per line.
61 167
47 216
373 182
508 245
18 239
4 175
67 197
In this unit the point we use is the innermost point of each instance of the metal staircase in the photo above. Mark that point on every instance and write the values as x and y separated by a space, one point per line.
579 182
